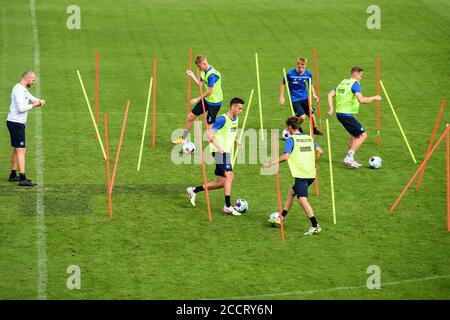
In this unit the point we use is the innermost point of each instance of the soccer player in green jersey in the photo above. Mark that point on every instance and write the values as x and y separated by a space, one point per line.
222 136
348 97
211 80
302 155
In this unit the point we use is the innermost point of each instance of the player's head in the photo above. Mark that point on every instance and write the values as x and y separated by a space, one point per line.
301 64
201 62
357 73
293 124
28 78
236 106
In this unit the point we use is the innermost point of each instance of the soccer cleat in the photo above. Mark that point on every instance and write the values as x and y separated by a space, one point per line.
357 164
313 230
192 195
317 132
351 163
14 179
231 211
27 183
180 140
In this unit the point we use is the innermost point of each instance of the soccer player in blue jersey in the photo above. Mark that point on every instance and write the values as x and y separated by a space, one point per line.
297 84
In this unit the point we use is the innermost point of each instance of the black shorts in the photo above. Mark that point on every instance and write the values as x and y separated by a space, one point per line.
223 163
300 187
301 108
351 125
212 111
17 134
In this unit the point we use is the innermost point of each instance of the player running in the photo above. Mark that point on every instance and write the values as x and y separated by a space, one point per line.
222 136
297 79
348 97
302 155
211 80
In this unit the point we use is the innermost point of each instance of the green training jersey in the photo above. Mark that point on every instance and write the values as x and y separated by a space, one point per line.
346 101
302 159
226 135
217 94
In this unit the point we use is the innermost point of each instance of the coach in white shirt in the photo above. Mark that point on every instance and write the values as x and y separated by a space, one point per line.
21 102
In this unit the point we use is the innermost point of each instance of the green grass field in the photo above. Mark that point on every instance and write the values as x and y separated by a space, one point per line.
158 246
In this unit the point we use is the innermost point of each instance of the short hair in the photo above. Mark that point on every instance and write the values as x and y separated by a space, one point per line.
236 100
302 59
199 58
294 122
356 69
27 74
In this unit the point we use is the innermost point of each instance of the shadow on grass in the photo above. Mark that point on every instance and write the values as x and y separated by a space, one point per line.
76 199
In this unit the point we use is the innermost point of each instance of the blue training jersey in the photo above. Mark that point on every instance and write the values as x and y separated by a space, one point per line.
298 84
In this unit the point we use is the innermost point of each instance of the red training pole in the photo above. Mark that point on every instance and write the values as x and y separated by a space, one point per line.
124 123
205 183
277 182
96 87
430 144
316 74
311 132
419 169
154 105
202 99
108 172
448 180
378 102
189 83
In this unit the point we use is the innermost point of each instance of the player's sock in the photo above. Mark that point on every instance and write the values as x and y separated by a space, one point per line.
350 154
185 134
284 213
313 221
23 177
13 174
228 201
198 189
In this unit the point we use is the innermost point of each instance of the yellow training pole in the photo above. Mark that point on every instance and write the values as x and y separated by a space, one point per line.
286 84
398 122
259 95
145 124
243 125
331 173
92 115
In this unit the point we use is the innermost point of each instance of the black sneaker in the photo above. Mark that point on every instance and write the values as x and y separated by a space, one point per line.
317 132
13 179
26 183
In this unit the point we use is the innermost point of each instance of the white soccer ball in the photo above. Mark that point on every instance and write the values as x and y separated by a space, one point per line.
274 218
375 162
188 147
285 134
241 205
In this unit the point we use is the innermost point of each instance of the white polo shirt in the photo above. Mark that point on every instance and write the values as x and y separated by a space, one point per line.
21 101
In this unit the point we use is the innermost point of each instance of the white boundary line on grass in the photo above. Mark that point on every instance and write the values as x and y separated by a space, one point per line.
268 295
40 218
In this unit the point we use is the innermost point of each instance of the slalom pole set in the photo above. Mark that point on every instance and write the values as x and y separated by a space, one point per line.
104 141
111 176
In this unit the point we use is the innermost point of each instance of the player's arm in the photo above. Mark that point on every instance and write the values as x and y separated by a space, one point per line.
192 75
211 134
282 87
319 154
313 92
284 157
22 103
331 96
366 100
212 79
